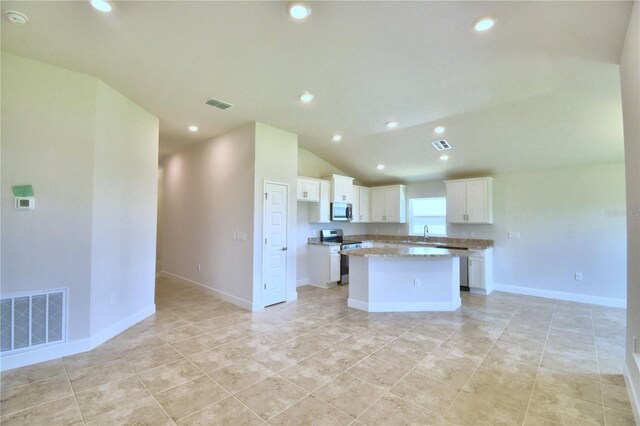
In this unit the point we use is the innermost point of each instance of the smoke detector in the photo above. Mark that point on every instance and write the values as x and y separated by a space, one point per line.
441 145
16 17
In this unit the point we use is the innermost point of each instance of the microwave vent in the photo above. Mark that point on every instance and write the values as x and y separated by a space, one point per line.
441 145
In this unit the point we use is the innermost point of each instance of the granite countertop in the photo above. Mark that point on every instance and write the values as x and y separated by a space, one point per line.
409 251
412 241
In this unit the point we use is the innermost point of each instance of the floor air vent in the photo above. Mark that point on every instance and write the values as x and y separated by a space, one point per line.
441 145
217 103
30 320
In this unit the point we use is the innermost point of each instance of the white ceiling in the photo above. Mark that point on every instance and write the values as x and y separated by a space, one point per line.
539 90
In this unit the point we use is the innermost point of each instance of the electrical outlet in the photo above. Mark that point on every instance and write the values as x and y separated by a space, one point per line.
578 276
199 267
242 236
114 299
472 234
235 235
464 233
416 282
514 234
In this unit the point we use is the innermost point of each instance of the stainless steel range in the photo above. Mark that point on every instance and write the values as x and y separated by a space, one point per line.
336 236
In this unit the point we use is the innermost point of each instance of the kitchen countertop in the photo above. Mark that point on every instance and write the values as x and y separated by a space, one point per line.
411 241
409 251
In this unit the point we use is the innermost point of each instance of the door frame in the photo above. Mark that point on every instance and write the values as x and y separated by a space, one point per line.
264 227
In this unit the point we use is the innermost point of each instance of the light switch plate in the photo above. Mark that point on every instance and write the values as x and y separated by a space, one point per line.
514 234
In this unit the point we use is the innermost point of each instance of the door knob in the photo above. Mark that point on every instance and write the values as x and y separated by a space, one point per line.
283 249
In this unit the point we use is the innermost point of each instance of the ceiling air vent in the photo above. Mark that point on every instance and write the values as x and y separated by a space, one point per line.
217 103
441 145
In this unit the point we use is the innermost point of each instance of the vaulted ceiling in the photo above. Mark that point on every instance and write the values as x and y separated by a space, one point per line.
539 90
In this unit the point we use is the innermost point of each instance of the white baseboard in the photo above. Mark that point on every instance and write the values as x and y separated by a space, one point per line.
238 301
404 307
50 352
328 285
292 295
302 281
560 295
481 291
634 394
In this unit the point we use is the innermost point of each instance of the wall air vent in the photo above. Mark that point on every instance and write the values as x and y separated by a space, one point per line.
218 103
32 320
441 145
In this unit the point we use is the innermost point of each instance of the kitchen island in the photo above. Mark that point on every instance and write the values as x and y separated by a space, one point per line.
404 279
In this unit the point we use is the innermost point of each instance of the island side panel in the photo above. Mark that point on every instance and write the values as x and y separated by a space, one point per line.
387 284
358 283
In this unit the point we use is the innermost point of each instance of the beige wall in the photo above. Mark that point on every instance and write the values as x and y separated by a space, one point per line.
209 195
48 125
570 220
630 84
276 161
123 248
91 156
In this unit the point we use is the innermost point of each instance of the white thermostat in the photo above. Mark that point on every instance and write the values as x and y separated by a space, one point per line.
25 203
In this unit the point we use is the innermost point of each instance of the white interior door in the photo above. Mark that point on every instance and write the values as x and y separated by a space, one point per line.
274 255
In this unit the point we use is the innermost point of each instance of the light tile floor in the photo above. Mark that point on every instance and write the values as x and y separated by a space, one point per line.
502 359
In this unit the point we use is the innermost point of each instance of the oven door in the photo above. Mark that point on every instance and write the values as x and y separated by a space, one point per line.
341 212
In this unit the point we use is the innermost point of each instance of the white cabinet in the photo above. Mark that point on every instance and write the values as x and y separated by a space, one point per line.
308 189
324 265
470 200
342 189
319 212
361 204
480 272
388 204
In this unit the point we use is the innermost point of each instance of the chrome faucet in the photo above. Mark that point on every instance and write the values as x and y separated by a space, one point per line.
426 233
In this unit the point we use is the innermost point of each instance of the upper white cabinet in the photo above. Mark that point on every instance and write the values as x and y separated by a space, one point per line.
388 204
470 200
342 189
319 212
308 189
361 204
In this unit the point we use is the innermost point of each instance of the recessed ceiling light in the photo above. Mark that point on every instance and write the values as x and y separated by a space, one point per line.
193 128
101 5
484 24
392 124
299 10
444 157
380 166
439 129
16 17
306 97
336 138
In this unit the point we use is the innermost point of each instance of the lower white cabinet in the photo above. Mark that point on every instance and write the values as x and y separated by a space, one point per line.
324 265
319 212
480 272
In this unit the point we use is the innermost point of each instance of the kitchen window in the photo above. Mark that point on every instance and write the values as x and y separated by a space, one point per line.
428 211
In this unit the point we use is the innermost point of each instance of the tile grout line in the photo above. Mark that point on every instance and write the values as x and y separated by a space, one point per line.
402 378
595 342
544 347
481 361
73 392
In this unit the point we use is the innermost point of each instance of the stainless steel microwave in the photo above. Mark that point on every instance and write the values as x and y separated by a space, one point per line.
341 212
